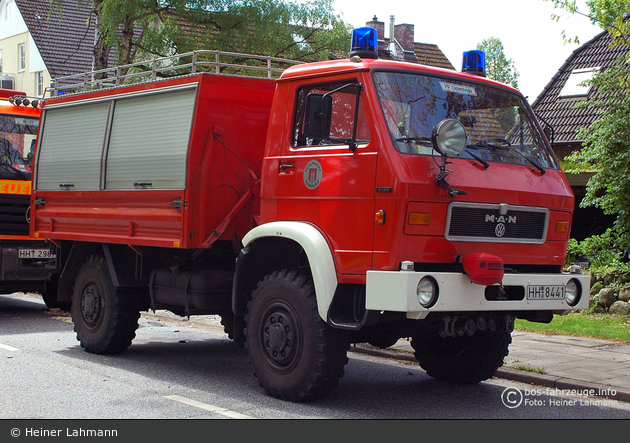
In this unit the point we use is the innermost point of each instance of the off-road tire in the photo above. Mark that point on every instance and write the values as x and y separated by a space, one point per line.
105 321
295 355
464 360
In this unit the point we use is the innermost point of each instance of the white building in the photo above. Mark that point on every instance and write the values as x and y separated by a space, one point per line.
38 43
21 65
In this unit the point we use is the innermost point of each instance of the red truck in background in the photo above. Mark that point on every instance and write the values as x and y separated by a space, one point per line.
26 264
348 201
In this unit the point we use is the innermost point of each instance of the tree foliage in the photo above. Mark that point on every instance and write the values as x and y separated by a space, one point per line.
140 29
498 66
606 148
607 14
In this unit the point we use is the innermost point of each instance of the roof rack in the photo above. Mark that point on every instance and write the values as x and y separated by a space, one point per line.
230 63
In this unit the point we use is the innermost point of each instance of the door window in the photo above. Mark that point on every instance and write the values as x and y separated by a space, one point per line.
344 114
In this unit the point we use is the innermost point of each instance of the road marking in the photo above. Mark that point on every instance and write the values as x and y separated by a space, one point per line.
8 348
207 407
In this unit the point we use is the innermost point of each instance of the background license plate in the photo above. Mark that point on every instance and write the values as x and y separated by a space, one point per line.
545 292
36 253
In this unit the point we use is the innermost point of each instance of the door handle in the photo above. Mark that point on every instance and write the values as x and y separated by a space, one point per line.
287 167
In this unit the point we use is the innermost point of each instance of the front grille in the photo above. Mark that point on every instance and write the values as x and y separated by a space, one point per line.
13 215
496 223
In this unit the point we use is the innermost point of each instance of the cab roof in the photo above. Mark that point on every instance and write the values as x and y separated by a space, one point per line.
332 67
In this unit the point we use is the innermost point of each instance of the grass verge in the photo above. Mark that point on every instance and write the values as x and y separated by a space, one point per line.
586 324
528 368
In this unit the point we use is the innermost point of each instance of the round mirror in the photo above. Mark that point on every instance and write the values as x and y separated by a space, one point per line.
449 137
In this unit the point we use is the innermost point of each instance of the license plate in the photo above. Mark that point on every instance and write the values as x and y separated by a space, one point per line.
36 253
545 292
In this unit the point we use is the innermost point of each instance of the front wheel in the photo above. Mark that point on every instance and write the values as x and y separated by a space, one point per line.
463 359
105 321
295 355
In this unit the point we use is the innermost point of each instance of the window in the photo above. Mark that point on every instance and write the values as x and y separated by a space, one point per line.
341 118
499 126
0 62
17 137
22 57
39 83
10 8
575 86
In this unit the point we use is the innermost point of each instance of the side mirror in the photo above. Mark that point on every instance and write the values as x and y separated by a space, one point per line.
318 116
449 137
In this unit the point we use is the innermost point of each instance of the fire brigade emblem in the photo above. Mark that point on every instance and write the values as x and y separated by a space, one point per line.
312 174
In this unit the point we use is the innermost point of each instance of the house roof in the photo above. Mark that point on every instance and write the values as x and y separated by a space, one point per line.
432 55
559 111
62 37
421 53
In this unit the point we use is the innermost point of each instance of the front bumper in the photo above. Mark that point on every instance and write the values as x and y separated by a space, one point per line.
396 291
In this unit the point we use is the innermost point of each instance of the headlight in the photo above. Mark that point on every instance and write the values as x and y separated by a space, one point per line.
449 137
573 292
427 292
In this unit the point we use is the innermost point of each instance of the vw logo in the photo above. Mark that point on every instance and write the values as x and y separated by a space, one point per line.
499 230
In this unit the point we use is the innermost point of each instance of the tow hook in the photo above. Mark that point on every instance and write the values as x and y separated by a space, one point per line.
449 327
470 326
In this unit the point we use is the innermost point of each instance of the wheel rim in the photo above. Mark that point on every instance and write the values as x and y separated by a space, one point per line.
91 305
280 338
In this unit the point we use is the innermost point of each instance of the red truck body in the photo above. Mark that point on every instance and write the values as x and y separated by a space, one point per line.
149 217
310 212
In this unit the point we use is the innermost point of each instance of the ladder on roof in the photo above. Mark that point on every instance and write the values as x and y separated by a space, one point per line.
230 63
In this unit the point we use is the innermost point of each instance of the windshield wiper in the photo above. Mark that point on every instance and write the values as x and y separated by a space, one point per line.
485 164
14 169
414 140
489 144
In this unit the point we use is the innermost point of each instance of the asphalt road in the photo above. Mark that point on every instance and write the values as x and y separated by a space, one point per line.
183 370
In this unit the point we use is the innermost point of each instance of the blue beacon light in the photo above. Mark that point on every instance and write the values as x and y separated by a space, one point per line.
364 43
474 62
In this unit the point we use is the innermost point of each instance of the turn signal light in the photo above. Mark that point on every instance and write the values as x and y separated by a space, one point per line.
419 218
380 217
562 226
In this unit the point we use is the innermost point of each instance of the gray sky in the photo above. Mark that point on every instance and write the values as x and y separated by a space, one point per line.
529 36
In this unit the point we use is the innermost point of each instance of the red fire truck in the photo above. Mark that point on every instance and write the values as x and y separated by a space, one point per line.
26 264
348 201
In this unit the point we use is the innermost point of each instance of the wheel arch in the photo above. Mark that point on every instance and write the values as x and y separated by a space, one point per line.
78 252
119 265
288 243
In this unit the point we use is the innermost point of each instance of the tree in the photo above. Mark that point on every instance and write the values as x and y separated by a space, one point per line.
607 14
606 147
306 31
498 66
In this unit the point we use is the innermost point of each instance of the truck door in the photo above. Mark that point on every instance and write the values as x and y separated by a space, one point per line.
326 176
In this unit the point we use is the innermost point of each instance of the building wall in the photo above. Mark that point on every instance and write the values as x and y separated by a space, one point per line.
13 33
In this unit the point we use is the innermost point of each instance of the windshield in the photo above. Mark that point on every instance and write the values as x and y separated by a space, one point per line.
499 127
17 139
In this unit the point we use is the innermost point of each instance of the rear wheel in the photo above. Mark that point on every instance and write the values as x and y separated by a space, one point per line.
466 359
295 355
104 320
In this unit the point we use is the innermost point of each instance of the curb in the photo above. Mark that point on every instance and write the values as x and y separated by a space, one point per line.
506 373
548 381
